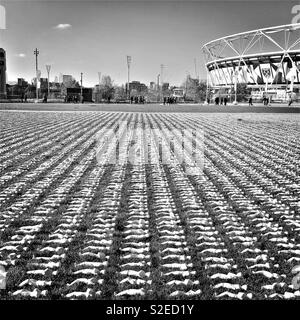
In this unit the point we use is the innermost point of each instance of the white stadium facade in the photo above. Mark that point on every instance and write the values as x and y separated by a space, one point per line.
266 60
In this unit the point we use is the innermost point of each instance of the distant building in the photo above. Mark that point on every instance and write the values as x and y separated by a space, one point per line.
152 85
44 81
165 86
178 92
22 83
2 74
44 84
67 80
138 87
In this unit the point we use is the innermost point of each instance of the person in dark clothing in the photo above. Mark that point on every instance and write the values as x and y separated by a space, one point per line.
290 100
45 98
250 101
131 99
217 100
165 100
225 101
22 97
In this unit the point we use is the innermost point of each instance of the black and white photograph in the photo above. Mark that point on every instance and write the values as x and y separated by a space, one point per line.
149 153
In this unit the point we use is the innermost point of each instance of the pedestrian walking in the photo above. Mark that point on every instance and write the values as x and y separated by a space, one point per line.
250 101
225 101
290 99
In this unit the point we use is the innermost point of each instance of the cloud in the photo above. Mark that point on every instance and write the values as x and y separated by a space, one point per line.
63 26
20 55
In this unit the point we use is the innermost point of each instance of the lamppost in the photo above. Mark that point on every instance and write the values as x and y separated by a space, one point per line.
36 53
128 75
48 67
206 96
99 76
81 86
235 87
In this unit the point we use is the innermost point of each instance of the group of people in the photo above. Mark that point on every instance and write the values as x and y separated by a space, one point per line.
267 101
221 101
24 97
137 99
170 100
73 99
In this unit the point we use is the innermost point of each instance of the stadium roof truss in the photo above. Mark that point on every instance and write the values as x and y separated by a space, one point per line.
269 55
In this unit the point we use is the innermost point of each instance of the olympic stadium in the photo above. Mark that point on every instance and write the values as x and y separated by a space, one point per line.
266 60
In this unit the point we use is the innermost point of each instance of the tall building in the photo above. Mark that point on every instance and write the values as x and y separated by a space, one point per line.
44 84
165 86
152 85
2 74
66 80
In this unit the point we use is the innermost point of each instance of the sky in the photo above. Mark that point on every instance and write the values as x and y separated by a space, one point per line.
96 36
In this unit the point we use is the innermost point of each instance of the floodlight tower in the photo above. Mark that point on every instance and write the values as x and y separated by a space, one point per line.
36 53
128 74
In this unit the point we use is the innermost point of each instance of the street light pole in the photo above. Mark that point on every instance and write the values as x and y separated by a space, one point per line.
235 88
81 85
158 90
99 76
128 75
36 53
48 67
